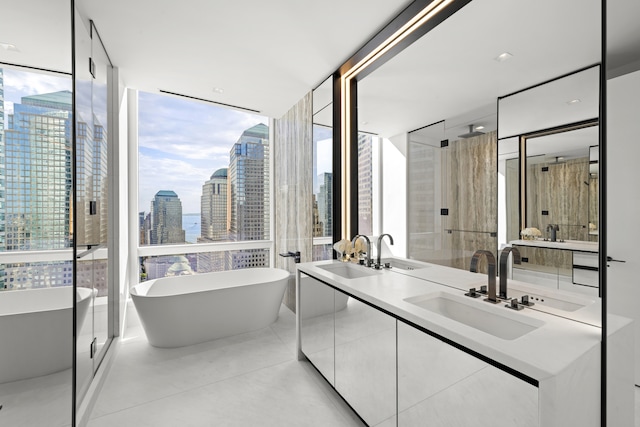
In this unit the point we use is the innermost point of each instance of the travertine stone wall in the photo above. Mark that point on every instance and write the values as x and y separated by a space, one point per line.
463 179
563 192
293 157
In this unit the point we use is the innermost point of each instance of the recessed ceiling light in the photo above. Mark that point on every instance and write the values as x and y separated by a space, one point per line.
9 46
503 57
364 122
479 127
218 90
573 101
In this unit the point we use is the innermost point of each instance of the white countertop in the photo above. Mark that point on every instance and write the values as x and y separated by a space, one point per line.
567 245
540 354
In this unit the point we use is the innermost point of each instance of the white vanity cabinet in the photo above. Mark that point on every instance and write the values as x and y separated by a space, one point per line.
365 362
317 307
394 374
448 387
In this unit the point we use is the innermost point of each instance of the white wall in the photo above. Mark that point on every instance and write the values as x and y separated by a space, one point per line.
623 200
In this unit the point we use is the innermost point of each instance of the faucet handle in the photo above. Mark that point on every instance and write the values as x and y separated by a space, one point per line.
472 293
514 305
524 300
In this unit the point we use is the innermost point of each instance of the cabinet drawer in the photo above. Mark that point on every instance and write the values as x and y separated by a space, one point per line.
585 277
586 259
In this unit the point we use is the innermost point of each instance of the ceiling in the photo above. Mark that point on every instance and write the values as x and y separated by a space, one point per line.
452 73
265 56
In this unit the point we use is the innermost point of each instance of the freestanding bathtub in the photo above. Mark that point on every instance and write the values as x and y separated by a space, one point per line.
36 336
186 310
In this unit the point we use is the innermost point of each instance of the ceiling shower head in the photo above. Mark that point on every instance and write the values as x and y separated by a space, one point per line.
471 133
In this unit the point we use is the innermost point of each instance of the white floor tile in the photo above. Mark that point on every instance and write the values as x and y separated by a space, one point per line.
248 379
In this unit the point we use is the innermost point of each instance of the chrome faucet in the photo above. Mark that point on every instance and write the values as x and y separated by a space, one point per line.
353 243
553 228
491 262
378 263
504 260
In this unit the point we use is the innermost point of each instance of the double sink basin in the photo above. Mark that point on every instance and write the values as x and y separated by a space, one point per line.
494 320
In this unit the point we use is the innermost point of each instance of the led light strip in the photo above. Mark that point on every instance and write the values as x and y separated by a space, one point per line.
345 85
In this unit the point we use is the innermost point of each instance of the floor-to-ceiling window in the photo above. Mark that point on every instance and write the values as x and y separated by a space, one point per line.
36 277
203 181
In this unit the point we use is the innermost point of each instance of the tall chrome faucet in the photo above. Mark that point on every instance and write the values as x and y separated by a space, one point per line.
353 242
380 248
491 262
504 260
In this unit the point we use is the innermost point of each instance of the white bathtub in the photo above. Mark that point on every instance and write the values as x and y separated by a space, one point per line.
36 330
185 310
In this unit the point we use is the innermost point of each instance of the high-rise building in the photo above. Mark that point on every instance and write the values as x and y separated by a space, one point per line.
214 206
166 218
249 195
318 227
2 182
38 139
325 203
365 182
35 208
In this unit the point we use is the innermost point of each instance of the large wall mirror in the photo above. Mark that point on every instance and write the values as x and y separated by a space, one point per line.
435 107
469 166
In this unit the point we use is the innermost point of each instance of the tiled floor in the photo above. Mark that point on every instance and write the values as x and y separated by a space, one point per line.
247 380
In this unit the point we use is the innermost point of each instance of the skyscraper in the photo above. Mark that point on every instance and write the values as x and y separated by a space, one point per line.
214 224
365 182
38 140
36 183
249 194
166 215
213 208
2 182
325 203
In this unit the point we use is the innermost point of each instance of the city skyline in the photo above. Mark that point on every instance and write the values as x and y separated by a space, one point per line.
188 137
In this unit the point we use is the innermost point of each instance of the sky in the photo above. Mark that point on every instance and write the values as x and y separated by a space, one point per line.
182 143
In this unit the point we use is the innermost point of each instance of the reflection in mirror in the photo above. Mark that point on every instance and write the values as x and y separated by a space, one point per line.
322 171
548 193
460 81
558 181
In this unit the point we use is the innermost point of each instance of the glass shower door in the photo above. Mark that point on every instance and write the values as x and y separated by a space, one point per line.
91 202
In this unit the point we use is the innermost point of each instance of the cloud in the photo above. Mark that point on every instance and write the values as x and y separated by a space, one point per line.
26 83
183 177
181 143
190 129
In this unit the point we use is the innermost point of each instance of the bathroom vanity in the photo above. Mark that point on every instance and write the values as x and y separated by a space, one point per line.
582 260
410 347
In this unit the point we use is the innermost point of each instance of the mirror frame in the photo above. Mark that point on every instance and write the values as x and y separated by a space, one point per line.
523 140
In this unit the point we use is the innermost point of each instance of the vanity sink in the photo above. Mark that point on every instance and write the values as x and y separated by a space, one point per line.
349 271
404 264
471 313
